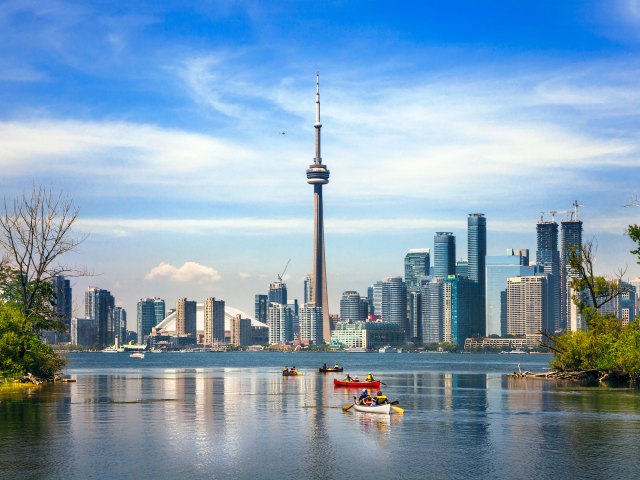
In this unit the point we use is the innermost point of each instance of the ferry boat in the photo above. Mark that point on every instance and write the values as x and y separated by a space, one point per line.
386 349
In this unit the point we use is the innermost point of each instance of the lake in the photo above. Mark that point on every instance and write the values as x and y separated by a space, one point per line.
233 416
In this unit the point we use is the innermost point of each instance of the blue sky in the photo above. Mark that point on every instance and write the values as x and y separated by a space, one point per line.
162 121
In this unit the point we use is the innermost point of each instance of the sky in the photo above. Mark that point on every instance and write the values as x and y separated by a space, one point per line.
163 122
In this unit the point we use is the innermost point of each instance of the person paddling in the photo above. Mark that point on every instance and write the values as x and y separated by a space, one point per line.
347 378
369 378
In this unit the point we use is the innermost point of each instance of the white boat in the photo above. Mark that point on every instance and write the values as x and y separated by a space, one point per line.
385 408
137 355
514 352
386 349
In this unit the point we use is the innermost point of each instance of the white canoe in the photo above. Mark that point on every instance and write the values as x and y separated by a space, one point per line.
386 408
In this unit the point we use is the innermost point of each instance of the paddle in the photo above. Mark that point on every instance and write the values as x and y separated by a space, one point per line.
395 402
398 410
347 407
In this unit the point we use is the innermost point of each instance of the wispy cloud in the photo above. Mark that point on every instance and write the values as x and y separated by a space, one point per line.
188 272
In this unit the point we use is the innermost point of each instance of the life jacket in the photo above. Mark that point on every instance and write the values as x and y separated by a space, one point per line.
381 399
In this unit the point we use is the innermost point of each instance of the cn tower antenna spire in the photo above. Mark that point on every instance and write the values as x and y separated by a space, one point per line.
318 125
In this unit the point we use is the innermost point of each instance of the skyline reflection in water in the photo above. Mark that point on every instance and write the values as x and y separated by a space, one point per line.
248 421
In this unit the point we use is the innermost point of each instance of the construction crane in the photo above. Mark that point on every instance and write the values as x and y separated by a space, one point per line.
280 275
576 206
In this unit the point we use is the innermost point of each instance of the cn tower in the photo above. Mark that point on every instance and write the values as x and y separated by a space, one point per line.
318 175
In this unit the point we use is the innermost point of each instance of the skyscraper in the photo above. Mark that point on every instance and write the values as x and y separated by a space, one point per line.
548 258
186 317
260 309
151 311
477 251
280 321
120 323
278 292
308 288
416 266
213 321
570 239
432 293
99 305
444 254
526 309
351 307
310 318
318 175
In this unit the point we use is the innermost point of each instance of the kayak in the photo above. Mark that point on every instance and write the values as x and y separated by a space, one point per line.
384 408
352 384
330 369
291 374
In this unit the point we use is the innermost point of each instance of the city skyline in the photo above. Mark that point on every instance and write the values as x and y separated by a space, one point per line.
170 125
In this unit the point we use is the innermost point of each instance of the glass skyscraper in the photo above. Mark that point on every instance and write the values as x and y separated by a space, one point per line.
99 305
444 254
548 258
571 238
477 251
416 266
278 292
151 311
432 294
351 307
260 307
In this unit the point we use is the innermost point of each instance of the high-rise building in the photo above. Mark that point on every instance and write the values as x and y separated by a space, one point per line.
456 318
417 263
151 311
308 288
120 323
213 321
310 318
477 251
99 305
240 331
548 259
462 268
278 292
498 269
63 306
280 323
570 241
523 253
318 175
415 317
84 331
186 317
444 254
370 300
261 304
432 294
351 307
526 305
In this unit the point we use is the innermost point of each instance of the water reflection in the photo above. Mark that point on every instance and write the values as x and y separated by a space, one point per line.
240 423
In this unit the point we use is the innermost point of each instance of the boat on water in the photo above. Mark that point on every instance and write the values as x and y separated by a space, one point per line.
384 408
514 352
353 384
386 349
289 373
330 369
137 355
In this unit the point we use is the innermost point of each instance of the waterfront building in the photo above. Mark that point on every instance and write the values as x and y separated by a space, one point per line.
186 318
415 317
522 342
311 324
477 251
240 331
444 254
260 309
318 175
352 307
278 292
214 332
280 322
84 331
367 335
62 308
432 294
571 239
120 323
498 269
548 259
390 301
151 311
417 263
99 305
526 305
456 318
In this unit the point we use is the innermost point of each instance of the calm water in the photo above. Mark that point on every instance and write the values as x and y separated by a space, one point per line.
232 415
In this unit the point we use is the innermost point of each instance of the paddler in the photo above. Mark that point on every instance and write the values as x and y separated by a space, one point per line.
285 369
369 378
380 399
347 378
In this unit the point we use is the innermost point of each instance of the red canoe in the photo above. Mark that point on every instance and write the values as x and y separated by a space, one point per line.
352 384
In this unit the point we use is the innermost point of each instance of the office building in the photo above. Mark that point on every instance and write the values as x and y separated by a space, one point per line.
99 305
499 268
278 292
444 254
240 331
84 331
390 301
120 324
462 268
280 322
456 318
310 319
417 263
352 307
523 253
308 288
186 318
151 311
318 175
367 335
548 259
432 295
526 305
62 306
477 251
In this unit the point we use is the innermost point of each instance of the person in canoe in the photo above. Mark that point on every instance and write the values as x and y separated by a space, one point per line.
369 378
285 369
364 398
336 366
293 369
348 378
324 366
380 399
356 379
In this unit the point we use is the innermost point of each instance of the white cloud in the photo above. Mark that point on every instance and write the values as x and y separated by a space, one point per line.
244 275
188 272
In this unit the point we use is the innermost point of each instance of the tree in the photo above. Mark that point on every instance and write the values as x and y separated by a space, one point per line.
35 231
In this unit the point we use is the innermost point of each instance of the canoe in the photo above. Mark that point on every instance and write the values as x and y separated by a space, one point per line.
386 408
329 370
290 374
352 384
